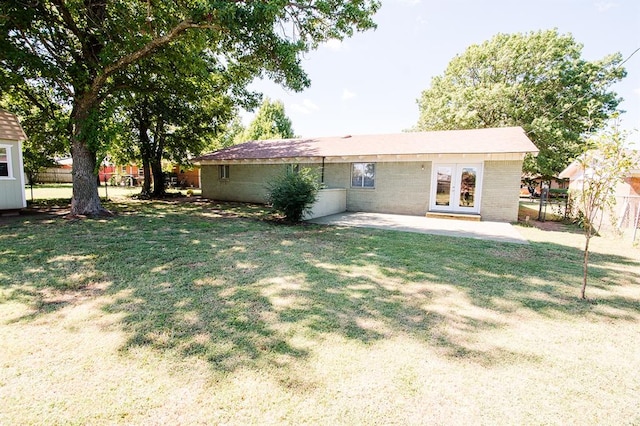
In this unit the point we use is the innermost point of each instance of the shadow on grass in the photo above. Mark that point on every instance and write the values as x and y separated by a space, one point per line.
237 291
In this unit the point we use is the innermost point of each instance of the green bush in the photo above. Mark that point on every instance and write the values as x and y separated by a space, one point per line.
293 193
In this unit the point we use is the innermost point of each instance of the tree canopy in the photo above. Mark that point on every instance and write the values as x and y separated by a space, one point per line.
270 122
536 80
78 48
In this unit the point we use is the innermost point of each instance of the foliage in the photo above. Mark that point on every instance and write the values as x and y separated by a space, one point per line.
294 192
77 49
536 80
270 122
45 126
603 168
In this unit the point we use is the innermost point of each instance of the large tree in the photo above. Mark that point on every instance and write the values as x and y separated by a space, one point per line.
180 102
270 122
536 80
78 47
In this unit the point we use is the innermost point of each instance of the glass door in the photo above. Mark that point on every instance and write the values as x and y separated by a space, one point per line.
456 187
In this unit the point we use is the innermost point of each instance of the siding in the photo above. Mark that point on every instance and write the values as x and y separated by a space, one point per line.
12 189
501 190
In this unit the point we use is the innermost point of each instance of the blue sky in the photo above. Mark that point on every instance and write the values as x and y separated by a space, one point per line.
369 83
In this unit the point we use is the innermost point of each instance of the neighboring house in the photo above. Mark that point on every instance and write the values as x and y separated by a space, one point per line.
473 173
627 214
12 195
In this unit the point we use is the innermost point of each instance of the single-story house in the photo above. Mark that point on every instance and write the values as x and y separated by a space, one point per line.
474 173
627 193
12 195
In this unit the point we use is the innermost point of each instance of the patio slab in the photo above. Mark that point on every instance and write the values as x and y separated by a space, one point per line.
495 231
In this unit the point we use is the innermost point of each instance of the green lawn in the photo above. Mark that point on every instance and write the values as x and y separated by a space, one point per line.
64 191
199 313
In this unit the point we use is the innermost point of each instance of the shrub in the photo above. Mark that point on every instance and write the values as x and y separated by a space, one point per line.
293 193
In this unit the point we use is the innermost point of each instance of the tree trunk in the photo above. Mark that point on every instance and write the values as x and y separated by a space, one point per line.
145 150
158 177
585 267
156 160
86 200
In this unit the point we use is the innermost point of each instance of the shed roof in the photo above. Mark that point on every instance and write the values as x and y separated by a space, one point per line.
10 128
476 141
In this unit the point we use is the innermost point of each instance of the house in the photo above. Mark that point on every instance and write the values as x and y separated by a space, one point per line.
627 193
12 195
470 173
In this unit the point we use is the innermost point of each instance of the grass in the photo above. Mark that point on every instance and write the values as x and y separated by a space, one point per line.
64 192
187 313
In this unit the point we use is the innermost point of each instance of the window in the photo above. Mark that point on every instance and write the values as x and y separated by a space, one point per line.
124 170
223 172
363 175
141 172
5 162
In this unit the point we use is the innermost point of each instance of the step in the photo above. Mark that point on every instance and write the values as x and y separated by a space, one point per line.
453 215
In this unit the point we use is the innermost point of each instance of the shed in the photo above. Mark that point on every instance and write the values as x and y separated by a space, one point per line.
12 196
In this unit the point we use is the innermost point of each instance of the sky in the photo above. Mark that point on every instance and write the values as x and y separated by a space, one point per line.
370 83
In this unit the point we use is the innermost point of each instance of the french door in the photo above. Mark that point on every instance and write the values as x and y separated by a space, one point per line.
456 187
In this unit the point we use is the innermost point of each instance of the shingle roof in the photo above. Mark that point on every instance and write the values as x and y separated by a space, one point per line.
477 141
10 128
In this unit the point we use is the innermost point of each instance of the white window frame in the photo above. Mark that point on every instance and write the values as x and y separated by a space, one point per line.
10 175
364 164
224 172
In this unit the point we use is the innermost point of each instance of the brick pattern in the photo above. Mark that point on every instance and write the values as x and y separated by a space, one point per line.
501 190
400 187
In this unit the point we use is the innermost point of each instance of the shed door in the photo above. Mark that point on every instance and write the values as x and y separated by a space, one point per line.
456 187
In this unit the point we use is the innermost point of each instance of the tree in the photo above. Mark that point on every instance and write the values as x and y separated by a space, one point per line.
44 123
180 103
270 122
536 80
603 168
77 48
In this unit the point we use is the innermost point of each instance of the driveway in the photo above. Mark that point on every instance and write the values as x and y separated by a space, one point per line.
495 231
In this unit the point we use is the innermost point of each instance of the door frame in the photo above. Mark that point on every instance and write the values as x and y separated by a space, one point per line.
454 201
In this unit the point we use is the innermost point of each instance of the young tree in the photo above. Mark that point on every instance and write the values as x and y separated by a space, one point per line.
538 81
77 47
603 168
270 122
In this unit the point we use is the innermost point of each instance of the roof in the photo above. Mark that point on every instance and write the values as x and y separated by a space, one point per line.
477 141
575 168
10 128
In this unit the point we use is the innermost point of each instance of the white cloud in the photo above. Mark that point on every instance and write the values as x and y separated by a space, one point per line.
307 107
603 6
347 94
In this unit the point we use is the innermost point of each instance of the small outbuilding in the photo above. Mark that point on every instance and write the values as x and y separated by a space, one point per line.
463 173
12 196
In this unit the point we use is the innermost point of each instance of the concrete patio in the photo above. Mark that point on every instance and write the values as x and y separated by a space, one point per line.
495 231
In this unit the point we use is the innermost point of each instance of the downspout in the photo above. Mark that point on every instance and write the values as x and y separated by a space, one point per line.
322 177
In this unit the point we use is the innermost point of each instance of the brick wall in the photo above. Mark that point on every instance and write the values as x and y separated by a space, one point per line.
246 183
501 190
400 187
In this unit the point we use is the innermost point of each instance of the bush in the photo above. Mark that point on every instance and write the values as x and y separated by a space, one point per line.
293 193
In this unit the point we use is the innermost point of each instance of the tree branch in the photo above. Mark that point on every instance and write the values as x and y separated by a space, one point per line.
99 82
